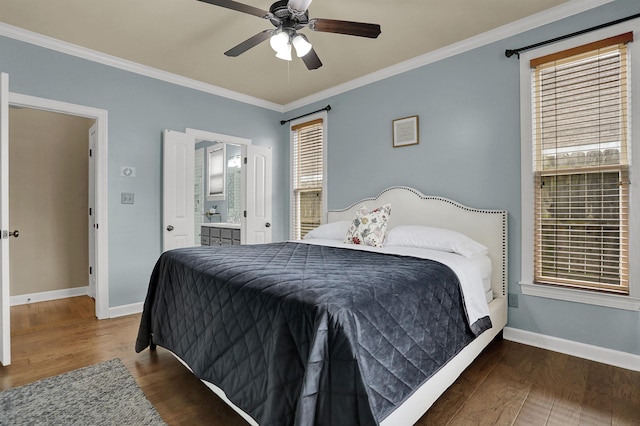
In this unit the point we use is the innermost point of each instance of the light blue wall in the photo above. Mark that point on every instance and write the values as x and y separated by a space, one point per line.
469 151
139 109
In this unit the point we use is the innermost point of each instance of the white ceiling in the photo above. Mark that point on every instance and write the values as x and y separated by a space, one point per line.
189 37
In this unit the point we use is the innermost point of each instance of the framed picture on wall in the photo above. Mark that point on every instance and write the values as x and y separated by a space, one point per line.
405 131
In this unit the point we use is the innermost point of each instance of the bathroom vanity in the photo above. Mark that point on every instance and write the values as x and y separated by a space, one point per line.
220 234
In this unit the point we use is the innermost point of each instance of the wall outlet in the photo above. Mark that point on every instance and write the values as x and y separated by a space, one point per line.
513 300
126 198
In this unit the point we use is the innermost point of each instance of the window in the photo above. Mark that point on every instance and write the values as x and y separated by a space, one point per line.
216 172
576 171
308 176
581 168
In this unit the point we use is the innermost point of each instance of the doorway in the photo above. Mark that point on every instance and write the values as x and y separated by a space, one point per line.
49 200
217 186
183 211
97 179
253 180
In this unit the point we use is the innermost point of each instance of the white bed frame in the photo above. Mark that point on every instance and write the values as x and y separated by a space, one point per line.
488 227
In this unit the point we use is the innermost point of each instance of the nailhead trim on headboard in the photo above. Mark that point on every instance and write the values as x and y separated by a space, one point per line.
458 205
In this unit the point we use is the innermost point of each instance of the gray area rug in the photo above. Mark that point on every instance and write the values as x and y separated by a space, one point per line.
102 394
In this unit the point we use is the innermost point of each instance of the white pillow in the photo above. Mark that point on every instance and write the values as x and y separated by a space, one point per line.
369 227
434 238
329 231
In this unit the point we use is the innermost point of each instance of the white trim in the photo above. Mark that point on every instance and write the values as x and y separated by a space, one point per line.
123 64
534 21
527 177
531 22
101 184
581 296
577 349
123 310
5 285
218 137
45 296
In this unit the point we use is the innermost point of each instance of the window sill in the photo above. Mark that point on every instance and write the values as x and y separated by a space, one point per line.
581 296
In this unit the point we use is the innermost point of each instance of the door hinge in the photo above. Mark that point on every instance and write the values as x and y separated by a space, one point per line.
245 160
245 213
89 211
90 270
90 153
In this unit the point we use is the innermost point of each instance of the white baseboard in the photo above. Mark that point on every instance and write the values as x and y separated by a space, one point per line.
44 296
122 310
569 347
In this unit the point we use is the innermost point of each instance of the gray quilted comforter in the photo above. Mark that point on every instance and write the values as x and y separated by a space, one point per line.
300 334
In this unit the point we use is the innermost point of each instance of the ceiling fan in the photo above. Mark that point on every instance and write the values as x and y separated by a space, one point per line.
288 17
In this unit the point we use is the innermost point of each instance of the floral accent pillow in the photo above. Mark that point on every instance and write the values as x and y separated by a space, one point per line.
369 227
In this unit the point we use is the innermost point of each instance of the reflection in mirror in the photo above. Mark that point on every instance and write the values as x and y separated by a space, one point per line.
223 205
216 172
233 183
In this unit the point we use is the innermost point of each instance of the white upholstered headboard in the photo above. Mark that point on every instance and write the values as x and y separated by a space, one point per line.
410 207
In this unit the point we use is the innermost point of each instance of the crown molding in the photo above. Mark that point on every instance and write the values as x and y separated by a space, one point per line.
51 43
531 22
551 15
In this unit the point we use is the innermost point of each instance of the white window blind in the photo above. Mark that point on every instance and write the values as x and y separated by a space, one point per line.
307 176
580 115
216 170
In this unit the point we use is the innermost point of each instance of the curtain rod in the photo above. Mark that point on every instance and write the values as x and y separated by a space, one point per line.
327 108
510 52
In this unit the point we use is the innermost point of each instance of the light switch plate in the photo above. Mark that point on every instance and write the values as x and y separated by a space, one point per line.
126 198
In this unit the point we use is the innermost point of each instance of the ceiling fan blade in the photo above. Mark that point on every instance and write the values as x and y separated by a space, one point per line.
249 43
240 7
299 5
359 29
311 60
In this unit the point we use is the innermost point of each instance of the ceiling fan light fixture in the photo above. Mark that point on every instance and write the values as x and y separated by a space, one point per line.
285 54
279 41
289 16
302 45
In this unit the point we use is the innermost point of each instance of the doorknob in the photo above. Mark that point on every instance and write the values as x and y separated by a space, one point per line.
267 224
170 228
7 234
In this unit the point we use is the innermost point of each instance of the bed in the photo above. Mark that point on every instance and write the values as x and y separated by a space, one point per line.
319 332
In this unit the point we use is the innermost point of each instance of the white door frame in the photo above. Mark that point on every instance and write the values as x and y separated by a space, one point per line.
194 135
5 306
101 179
219 137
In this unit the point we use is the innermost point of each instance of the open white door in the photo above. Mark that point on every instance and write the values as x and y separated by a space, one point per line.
5 305
256 201
178 175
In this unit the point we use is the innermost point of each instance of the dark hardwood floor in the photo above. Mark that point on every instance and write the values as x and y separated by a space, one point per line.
509 384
